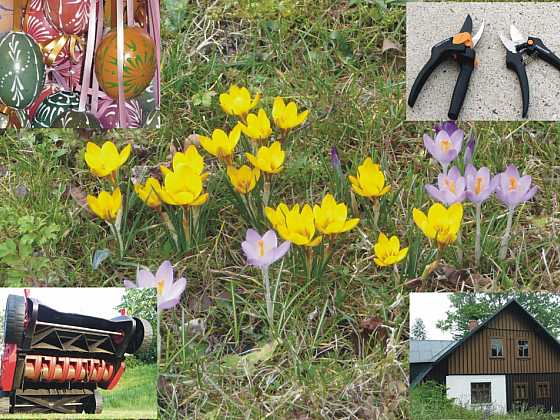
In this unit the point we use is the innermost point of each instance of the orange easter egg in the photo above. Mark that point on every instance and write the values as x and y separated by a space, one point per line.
139 63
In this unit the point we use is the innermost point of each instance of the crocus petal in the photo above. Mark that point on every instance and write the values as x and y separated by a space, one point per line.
176 289
167 304
270 240
252 236
281 250
165 274
129 284
145 279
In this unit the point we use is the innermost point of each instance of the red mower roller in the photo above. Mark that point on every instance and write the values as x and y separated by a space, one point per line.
55 362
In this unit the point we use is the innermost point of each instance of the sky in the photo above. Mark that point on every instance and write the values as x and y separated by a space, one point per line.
99 302
431 308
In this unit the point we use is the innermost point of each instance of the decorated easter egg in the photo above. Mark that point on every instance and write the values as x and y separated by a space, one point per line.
139 63
22 72
152 119
53 106
48 89
147 99
14 118
76 119
108 113
69 16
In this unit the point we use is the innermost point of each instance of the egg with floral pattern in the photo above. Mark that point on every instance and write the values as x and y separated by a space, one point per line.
76 119
22 71
53 106
68 16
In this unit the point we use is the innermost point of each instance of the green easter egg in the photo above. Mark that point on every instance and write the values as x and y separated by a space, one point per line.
53 106
22 71
153 120
76 119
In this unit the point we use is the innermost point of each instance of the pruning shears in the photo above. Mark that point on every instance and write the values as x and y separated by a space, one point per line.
516 47
459 47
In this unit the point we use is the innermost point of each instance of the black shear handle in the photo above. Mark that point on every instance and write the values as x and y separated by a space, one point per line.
466 63
544 53
439 53
515 62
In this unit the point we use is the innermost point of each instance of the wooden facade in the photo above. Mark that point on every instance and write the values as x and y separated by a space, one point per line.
510 325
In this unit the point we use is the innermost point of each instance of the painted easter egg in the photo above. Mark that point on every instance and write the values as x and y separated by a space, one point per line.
14 118
153 119
67 74
108 114
22 72
53 106
48 89
34 5
147 100
138 67
76 119
55 48
69 16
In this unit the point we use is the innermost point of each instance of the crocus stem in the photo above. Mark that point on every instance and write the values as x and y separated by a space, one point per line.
376 213
397 275
308 261
186 224
459 248
269 305
165 217
477 249
507 233
118 237
266 190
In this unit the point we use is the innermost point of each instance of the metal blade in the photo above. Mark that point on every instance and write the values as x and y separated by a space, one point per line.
467 25
516 36
508 44
478 35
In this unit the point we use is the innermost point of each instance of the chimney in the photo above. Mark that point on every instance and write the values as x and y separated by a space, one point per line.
473 323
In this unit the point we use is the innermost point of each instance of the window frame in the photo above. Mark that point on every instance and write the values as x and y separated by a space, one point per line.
542 397
477 392
502 339
526 385
517 340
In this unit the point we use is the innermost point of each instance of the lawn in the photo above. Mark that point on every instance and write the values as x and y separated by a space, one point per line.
133 398
337 347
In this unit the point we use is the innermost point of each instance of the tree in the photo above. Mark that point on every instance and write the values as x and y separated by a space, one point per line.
142 303
480 306
418 331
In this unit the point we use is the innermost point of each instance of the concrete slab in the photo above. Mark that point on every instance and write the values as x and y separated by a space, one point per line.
494 93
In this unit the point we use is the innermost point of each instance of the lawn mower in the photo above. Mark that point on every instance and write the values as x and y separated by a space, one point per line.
56 362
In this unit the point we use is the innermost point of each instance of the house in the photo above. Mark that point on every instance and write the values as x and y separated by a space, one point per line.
507 362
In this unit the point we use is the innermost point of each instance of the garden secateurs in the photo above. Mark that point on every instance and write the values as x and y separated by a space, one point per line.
516 46
461 48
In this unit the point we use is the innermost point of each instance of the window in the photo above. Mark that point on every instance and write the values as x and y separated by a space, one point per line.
523 348
543 390
520 391
480 393
496 347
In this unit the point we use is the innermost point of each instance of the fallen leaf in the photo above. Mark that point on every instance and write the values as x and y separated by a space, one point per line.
99 256
79 197
249 360
374 326
21 191
389 44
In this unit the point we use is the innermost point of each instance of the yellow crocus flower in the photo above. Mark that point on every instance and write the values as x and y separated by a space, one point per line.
183 187
243 179
258 126
221 144
331 217
268 159
105 205
148 192
294 225
189 157
369 181
441 224
237 101
105 160
388 252
285 116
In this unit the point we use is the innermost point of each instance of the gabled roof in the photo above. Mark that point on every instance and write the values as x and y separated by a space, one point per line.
425 351
512 302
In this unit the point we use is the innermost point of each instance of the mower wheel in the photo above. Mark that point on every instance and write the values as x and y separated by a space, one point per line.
5 403
142 338
14 320
148 336
94 403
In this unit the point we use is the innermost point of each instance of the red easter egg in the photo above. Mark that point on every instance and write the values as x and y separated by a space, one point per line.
108 113
49 89
37 25
69 16
34 5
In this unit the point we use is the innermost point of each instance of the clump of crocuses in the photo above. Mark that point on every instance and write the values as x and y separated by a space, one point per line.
476 185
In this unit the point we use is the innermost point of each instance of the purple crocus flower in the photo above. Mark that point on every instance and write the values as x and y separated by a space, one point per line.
450 189
511 189
479 184
469 150
168 292
263 251
335 159
449 126
444 147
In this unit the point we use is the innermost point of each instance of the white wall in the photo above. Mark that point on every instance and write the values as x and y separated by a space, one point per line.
459 388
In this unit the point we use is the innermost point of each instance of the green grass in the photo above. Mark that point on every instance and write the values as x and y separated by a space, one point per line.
133 398
327 56
428 402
